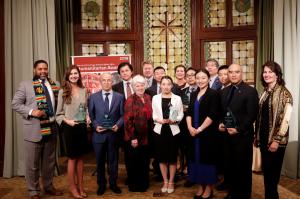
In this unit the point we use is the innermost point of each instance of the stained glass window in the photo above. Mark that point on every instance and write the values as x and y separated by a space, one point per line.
92 14
119 14
167 33
215 50
119 49
92 49
214 13
242 12
243 54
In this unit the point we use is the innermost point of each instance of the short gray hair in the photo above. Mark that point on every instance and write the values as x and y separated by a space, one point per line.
138 79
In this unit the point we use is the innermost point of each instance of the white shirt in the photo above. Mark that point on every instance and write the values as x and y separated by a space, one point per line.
125 86
47 84
212 80
109 97
149 81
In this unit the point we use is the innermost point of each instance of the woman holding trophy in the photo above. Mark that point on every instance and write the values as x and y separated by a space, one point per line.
202 124
167 113
71 115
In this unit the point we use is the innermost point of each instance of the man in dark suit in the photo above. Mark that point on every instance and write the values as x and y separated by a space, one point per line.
212 66
154 89
106 113
35 100
240 101
124 87
148 72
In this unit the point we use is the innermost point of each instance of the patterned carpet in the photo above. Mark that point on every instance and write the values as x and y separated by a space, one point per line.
15 188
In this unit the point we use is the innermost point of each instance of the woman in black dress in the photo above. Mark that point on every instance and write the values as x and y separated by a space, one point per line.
167 113
202 117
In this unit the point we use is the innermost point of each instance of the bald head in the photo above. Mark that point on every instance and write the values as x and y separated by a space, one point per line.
106 81
235 73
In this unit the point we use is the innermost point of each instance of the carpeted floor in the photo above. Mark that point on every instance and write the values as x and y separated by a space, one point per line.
15 188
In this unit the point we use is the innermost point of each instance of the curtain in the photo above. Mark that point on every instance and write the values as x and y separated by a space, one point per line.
64 36
265 41
29 36
287 53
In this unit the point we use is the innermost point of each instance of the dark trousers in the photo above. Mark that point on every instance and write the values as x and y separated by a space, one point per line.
238 165
138 167
271 166
108 149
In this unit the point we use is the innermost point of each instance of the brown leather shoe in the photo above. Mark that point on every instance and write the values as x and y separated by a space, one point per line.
54 192
35 197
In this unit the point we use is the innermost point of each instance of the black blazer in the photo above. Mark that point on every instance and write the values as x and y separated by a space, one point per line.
209 107
119 87
152 90
244 106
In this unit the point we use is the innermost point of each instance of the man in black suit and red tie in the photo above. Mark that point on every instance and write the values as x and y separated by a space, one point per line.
239 109
124 87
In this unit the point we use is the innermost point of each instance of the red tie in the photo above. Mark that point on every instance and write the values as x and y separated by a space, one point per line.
128 90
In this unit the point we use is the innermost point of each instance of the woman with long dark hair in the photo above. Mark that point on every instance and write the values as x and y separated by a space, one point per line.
275 107
71 114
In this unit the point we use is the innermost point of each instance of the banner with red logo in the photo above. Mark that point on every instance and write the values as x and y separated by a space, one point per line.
91 67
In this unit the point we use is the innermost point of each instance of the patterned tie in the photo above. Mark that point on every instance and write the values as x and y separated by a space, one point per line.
128 89
106 103
50 112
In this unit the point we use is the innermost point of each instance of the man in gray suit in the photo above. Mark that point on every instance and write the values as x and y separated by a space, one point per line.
35 101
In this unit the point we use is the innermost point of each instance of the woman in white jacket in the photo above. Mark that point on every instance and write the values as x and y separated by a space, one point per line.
167 113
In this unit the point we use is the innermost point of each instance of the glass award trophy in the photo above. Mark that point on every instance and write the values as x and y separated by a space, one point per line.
106 122
80 116
229 119
173 114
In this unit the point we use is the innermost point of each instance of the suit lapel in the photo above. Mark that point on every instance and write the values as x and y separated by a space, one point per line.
113 101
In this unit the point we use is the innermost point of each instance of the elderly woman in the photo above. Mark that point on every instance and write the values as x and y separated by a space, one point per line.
137 120
167 113
275 108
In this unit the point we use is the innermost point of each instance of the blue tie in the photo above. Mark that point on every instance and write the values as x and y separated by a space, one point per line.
50 111
106 104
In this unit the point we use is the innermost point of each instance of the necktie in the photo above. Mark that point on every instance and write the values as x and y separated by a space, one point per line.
106 103
230 94
149 82
159 89
128 89
50 112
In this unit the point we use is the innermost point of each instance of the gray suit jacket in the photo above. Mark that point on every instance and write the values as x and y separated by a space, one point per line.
22 103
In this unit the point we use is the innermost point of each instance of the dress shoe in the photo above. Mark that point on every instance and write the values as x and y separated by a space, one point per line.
115 189
170 188
54 192
101 190
211 195
164 189
35 197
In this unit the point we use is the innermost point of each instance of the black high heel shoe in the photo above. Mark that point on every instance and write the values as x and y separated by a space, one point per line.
197 196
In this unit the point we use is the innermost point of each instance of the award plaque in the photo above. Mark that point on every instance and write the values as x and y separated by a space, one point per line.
229 119
80 116
173 114
106 122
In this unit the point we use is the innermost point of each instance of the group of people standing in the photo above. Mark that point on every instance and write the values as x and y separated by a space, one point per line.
207 115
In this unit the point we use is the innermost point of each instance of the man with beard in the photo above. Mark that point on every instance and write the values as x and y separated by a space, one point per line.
35 100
